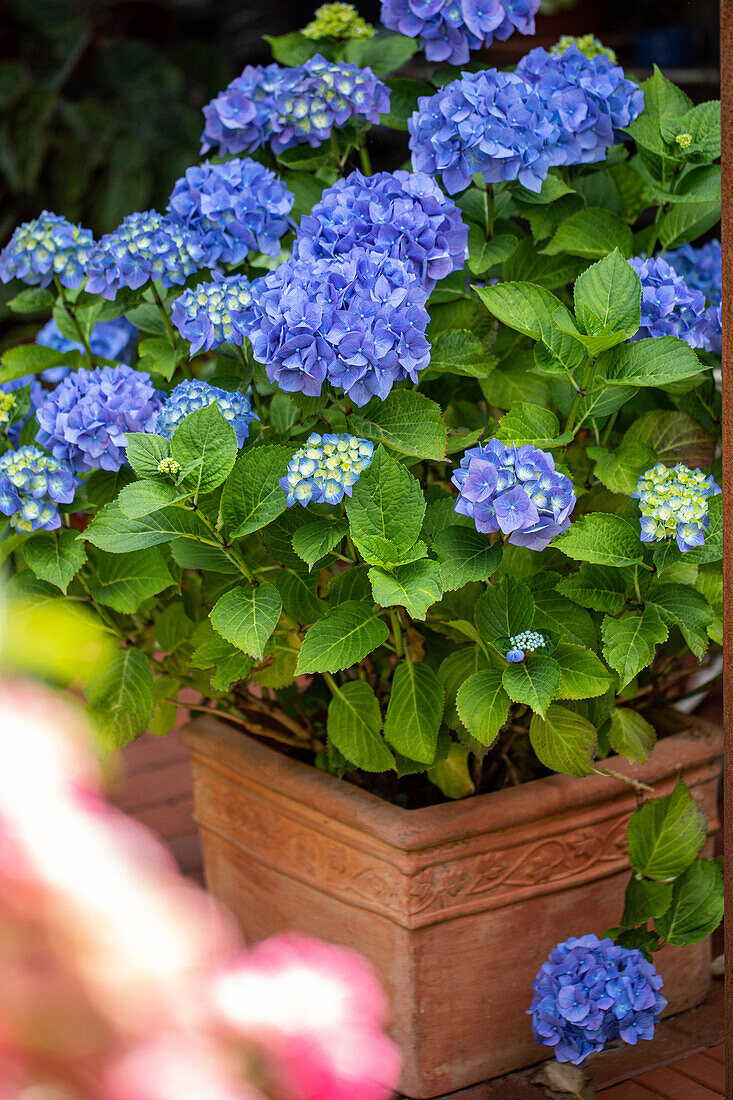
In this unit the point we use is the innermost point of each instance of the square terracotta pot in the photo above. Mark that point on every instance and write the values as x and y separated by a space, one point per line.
456 905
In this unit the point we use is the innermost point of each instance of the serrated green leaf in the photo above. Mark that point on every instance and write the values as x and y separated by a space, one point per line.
645 900
403 99
533 681
33 300
381 55
406 422
582 674
561 617
527 423
121 698
601 539
415 586
596 586
246 617
299 592
145 452
697 905
527 308
674 436
563 740
316 538
143 497
278 664
666 834
459 351
415 712
352 584
32 358
465 555
111 530
620 471
591 232
453 671
504 609
230 664
55 558
682 606
204 443
252 496
173 627
123 581
629 643
344 636
483 705
607 297
354 726
386 512
655 361
283 413
630 735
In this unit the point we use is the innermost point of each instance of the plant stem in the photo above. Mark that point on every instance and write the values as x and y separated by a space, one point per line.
352 548
366 164
608 428
397 631
231 551
489 211
164 315
251 727
635 783
74 319
332 685
575 409
336 153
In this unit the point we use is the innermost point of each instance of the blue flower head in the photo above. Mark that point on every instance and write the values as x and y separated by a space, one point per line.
287 107
701 268
231 208
515 490
47 246
590 992
669 307
674 503
403 214
145 246
449 29
522 644
108 340
193 394
212 314
32 485
325 469
84 420
357 321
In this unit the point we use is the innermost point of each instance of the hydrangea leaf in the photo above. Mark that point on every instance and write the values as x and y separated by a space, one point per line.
173 627
55 558
143 497
453 671
697 904
283 413
484 252
563 740
205 443
402 100
278 664
415 712
620 471
685 222
124 581
674 437
682 606
111 530
582 674
406 422
597 587
560 616
645 900
451 774
504 609
316 538
591 232
352 584
344 636
602 539
533 681
33 358
458 351
246 617
527 423
381 55
631 735
299 592
666 834
655 361
386 512
483 705
230 664
465 556
524 307
415 586
121 698
629 642
354 726
145 452
252 496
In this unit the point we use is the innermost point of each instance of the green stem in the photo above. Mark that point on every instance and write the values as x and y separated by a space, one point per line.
575 409
164 315
608 429
636 585
74 319
489 212
103 615
332 685
232 551
366 164
397 631
336 153
352 548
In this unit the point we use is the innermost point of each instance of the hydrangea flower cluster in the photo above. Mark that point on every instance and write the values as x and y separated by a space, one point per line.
145 246
588 44
403 214
325 468
231 208
449 29
109 340
591 992
515 490
212 314
84 420
669 307
701 268
193 394
674 502
338 21
287 107
521 644
46 247
357 321
32 485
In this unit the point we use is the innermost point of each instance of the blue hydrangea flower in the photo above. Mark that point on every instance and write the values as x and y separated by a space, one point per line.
515 490
404 214
713 329
231 208
212 314
8 399
84 420
674 502
108 340
669 307
32 485
488 122
701 268
145 246
588 98
449 29
287 107
326 468
193 394
47 246
591 992
522 644
357 321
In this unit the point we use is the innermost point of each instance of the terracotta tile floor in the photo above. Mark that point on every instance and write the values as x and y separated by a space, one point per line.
683 1062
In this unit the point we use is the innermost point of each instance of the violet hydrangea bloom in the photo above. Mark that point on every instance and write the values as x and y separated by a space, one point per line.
108 340
145 246
515 490
32 485
326 468
231 208
83 421
404 214
357 321
449 29
46 247
193 394
674 504
212 314
590 992
669 307
290 106
701 268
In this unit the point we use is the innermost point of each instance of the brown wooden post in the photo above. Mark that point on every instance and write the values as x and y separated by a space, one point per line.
726 56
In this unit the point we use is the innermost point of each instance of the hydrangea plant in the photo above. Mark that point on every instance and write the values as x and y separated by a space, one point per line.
416 471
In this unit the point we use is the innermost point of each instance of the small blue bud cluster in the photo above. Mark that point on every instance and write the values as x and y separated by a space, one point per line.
231 208
674 502
47 246
108 340
83 421
516 490
402 214
287 107
701 268
521 644
145 246
212 314
32 485
669 307
449 29
193 394
591 992
325 468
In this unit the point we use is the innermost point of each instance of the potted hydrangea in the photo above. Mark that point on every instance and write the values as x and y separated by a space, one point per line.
405 485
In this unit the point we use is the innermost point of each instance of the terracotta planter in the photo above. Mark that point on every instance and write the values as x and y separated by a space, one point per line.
456 904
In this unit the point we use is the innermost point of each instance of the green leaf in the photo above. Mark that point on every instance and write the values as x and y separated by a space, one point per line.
246 617
697 905
299 592
204 443
458 351
601 540
451 775
687 221
316 538
524 307
674 437
483 705
644 900
352 584
561 617
590 233
504 609
597 587
143 497
453 671
55 559
406 422
534 681
655 361
381 55
630 735
32 358
629 643
465 556
123 581
121 698
158 356
252 496
295 48
527 423
415 586
483 253
564 741
415 712
111 530
229 663
403 101
281 657
33 300
608 297
666 834
173 627
582 674
386 512
354 726
682 606
145 452
620 471
283 413
344 636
